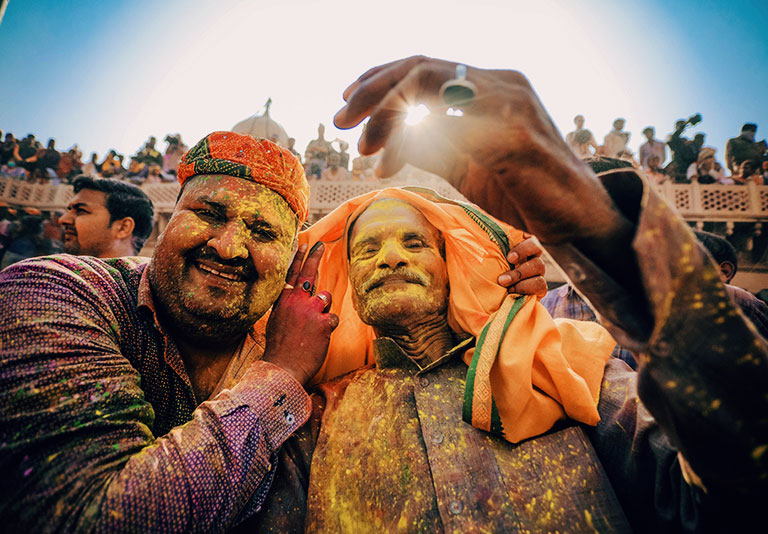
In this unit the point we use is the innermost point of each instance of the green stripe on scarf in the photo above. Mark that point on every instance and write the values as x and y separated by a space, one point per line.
469 388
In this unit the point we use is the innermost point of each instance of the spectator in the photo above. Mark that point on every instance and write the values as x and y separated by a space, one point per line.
652 147
748 171
705 170
292 147
6 227
335 172
742 148
615 142
316 155
149 155
683 150
173 153
106 219
69 164
92 168
28 242
9 149
580 140
11 170
109 167
727 261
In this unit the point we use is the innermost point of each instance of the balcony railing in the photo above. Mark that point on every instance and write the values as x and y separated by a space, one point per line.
693 201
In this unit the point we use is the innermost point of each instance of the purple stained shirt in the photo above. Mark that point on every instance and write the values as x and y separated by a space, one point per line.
99 428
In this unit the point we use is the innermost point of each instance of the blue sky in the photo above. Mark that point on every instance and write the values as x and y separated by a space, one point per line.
108 74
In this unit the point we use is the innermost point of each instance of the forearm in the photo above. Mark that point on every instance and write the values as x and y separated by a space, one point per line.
205 474
704 370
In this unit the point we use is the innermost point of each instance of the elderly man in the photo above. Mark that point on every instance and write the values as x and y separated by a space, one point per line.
106 219
117 377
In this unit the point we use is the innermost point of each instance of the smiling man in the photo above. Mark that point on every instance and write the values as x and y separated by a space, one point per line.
138 395
106 219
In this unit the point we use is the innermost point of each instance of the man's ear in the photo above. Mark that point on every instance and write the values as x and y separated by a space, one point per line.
124 227
727 270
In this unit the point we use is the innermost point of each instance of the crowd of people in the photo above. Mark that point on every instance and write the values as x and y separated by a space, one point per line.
27 159
690 161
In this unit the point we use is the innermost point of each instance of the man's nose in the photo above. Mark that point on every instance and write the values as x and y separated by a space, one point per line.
229 240
67 218
391 255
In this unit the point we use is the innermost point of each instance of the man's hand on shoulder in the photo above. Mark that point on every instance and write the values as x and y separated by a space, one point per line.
526 275
300 326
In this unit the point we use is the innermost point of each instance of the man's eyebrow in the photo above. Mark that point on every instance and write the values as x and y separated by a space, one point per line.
364 241
76 205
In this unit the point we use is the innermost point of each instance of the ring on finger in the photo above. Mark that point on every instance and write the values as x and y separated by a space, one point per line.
325 299
308 287
458 91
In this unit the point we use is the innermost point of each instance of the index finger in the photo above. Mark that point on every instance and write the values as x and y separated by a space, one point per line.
365 94
309 269
293 270
524 250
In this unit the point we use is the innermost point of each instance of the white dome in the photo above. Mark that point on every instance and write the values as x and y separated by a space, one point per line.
262 126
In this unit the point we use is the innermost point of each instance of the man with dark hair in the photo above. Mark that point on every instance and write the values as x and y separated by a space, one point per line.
105 364
727 262
743 148
106 218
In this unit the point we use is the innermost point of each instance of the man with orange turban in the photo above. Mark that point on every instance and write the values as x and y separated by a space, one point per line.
118 409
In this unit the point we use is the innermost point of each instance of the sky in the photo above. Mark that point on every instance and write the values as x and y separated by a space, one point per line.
107 73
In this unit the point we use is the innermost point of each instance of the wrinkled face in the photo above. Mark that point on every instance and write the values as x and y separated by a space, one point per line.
87 230
396 267
222 260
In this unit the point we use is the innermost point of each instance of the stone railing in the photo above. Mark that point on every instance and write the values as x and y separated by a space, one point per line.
693 202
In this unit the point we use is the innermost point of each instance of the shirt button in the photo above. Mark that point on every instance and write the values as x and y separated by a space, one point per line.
424 381
437 438
455 507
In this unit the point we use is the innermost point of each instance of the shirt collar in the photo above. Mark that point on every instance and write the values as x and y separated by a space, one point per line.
389 355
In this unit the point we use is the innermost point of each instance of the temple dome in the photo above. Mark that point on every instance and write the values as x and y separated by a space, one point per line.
263 126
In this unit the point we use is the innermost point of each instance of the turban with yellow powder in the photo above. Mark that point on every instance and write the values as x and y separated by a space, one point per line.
526 372
258 160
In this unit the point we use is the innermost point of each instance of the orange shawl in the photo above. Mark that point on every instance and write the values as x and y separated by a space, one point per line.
527 370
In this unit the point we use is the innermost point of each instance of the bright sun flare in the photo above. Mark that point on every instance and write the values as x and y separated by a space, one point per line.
416 114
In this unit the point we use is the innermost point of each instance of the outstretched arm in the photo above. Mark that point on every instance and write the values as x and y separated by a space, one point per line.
704 371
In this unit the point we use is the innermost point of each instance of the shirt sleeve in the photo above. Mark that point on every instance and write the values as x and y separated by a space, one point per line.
703 368
76 450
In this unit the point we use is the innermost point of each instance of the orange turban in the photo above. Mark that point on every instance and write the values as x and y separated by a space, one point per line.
258 160
527 370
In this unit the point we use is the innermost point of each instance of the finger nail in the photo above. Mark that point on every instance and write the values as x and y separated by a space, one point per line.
504 279
512 257
316 246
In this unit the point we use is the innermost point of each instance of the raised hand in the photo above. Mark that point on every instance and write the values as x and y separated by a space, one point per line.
504 153
300 326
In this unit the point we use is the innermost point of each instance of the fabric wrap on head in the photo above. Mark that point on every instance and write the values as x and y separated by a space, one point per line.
704 153
258 160
527 370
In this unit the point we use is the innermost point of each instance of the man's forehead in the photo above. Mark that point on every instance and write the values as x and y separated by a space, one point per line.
390 216
90 197
241 195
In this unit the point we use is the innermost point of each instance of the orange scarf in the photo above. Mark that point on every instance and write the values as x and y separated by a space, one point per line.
527 371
